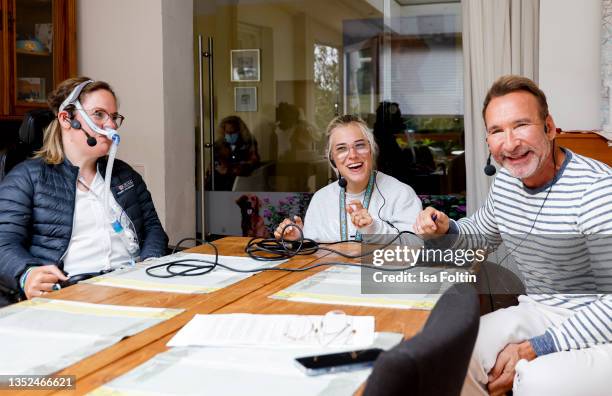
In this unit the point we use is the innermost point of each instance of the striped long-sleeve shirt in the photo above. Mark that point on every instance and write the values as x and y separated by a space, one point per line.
560 237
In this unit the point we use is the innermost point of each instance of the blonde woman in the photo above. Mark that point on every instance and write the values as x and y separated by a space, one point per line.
363 201
53 222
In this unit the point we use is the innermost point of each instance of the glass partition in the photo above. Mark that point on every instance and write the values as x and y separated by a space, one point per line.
278 71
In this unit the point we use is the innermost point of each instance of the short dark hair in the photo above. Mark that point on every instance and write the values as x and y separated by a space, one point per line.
511 83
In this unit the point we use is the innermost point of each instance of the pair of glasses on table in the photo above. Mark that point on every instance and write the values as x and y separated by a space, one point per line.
335 327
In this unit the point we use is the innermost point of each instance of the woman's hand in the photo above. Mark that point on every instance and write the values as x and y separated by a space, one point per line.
41 279
291 232
359 215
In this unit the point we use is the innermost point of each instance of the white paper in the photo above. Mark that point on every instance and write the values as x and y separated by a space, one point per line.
282 331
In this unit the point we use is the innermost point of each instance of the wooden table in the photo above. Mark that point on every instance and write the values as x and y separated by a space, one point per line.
249 295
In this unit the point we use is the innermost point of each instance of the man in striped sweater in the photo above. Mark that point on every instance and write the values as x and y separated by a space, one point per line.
553 210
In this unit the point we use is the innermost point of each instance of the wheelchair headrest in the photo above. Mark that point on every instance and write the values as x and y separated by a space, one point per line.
33 127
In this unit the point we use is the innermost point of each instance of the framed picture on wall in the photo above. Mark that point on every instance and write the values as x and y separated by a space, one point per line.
245 98
245 65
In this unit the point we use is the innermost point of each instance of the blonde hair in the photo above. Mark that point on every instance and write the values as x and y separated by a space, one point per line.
52 150
346 120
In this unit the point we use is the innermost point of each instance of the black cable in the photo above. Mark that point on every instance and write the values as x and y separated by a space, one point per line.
383 204
553 181
280 250
530 229
191 268
273 250
178 244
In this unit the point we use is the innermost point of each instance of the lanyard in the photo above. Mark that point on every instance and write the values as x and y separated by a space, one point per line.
342 207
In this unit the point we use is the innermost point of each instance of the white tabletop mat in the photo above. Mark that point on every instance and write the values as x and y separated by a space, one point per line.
137 278
342 285
237 371
42 336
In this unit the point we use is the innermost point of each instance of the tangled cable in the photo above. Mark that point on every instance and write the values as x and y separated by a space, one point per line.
270 249
266 249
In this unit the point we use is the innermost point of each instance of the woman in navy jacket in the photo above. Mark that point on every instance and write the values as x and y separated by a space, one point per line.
53 221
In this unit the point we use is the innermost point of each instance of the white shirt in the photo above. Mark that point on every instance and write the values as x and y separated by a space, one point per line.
400 206
94 245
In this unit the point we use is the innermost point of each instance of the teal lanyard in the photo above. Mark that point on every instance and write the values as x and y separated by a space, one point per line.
342 207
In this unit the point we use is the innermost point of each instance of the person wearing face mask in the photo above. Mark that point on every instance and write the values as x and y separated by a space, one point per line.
363 201
236 153
53 219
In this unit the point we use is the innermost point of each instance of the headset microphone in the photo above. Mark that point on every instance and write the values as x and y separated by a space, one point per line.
91 141
489 169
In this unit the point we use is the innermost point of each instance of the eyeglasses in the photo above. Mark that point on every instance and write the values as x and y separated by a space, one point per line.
342 151
334 328
101 117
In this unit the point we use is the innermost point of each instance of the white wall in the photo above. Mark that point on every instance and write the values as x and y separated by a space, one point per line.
179 123
570 61
143 48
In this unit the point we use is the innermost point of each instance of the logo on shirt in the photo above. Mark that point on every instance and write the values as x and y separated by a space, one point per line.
125 186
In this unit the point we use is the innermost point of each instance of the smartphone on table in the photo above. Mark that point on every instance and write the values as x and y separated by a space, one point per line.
337 362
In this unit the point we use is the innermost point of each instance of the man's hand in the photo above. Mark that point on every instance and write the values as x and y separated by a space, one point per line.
502 374
291 232
431 222
359 215
41 279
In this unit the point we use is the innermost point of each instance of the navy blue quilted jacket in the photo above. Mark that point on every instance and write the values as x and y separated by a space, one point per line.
36 216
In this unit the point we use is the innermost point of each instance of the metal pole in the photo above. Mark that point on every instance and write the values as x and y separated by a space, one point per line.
211 102
202 168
